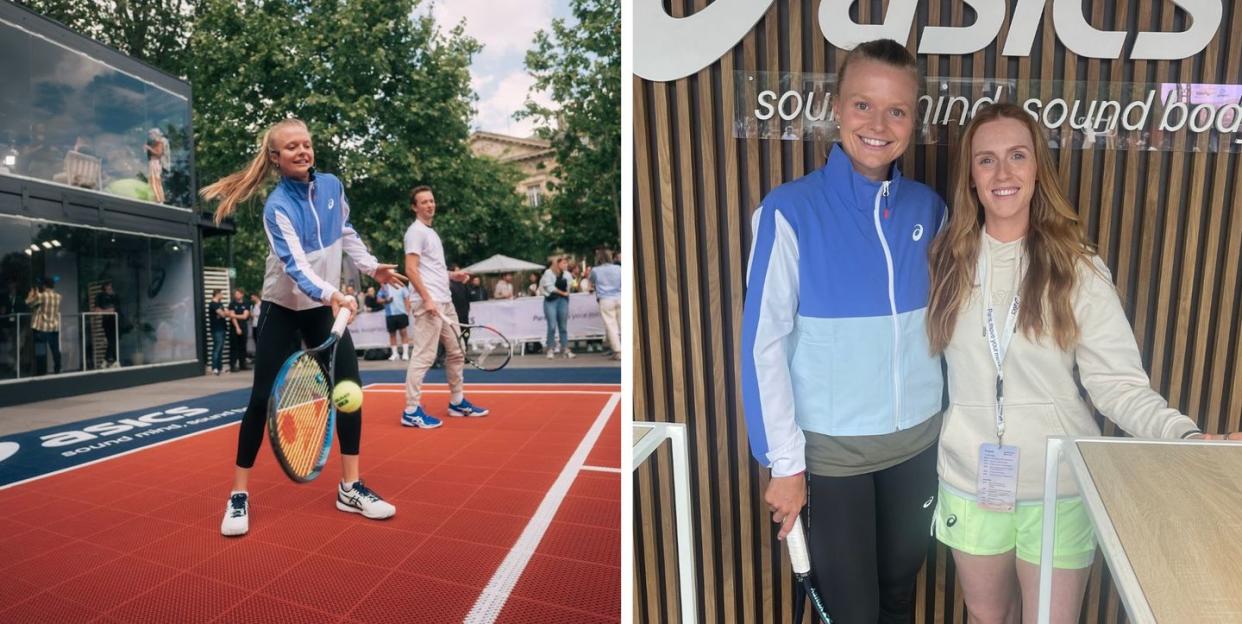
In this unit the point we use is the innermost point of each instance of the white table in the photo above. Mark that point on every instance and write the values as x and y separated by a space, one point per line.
647 437
1166 514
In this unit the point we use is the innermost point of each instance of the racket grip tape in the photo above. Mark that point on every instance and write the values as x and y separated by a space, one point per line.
796 541
342 319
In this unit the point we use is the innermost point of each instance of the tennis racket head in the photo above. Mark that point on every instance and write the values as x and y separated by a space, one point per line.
300 412
485 348
300 416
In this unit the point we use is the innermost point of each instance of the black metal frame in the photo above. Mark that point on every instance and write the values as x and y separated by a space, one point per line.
41 200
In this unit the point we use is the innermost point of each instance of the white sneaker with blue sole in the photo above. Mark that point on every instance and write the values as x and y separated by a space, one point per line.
360 499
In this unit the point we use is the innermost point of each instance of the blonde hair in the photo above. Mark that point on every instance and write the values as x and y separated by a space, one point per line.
884 51
240 185
1054 246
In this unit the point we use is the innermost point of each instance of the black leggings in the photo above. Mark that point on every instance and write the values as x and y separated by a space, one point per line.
868 536
281 331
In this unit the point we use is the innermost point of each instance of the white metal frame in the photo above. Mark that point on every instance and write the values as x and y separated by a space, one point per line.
1066 448
645 445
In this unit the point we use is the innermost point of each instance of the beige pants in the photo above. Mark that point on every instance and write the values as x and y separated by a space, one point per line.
610 309
428 330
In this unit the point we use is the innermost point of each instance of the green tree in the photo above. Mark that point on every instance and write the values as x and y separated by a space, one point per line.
154 31
579 66
385 92
387 96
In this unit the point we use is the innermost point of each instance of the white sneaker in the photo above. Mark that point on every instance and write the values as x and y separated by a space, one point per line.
551 353
362 500
394 356
569 355
236 515
405 355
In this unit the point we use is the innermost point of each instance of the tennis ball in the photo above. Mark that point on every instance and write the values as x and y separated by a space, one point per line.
347 396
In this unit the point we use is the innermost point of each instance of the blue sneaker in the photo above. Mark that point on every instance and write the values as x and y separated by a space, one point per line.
466 409
419 419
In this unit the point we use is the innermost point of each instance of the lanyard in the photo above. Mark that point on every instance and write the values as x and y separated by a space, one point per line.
998 344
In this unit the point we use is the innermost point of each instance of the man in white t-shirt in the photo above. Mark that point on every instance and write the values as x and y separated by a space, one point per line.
431 304
504 288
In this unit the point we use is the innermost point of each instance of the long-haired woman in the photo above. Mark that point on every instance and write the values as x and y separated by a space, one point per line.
306 220
1019 301
554 286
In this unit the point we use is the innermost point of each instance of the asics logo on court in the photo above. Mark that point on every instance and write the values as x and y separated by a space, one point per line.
918 232
8 449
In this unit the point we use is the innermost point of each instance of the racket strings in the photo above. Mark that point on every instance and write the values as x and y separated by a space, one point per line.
302 415
486 348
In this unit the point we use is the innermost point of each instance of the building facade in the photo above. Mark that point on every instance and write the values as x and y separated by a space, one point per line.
100 238
534 157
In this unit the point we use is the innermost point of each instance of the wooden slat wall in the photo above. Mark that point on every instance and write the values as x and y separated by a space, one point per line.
1169 224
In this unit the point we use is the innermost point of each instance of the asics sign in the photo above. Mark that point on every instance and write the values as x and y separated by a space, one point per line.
669 48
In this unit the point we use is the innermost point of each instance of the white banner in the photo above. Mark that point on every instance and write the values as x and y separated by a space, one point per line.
520 320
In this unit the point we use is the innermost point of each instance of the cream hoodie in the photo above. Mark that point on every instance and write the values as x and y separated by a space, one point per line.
1041 396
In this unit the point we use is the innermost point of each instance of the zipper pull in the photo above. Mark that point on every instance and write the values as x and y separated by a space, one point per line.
884 193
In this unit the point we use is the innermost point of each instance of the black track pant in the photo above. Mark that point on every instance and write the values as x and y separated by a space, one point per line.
237 349
281 332
868 536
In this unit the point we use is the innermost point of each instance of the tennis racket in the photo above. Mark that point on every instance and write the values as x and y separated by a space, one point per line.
300 412
800 560
485 348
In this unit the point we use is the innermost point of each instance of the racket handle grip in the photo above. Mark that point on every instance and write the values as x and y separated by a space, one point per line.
342 319
796 541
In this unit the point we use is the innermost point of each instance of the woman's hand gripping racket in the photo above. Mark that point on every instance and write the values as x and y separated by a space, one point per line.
800 560
485 348
300 412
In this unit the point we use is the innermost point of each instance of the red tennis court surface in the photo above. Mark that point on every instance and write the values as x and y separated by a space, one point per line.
136 538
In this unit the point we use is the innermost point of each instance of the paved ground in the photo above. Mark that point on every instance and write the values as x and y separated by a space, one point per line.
42 414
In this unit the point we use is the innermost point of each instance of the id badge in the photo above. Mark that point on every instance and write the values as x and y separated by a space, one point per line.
998 477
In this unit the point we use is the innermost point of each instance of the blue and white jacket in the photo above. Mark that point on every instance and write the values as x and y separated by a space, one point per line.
833 337
307 225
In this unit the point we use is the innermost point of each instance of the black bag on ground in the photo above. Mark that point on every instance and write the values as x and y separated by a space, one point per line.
377 354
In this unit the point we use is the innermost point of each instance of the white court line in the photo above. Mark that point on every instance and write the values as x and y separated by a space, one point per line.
487 608
602 469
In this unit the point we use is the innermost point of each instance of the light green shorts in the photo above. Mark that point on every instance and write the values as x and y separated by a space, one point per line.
961 524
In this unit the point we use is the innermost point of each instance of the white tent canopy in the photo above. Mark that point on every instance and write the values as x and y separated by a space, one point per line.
502 264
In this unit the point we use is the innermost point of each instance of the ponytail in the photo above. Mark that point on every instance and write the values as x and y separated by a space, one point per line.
240 185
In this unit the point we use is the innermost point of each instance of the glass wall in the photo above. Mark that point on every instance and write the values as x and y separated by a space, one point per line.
70 119
120 299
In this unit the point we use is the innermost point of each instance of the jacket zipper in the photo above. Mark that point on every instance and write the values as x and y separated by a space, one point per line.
892 306
310 199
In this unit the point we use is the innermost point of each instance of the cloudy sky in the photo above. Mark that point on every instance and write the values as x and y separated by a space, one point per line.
506 30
